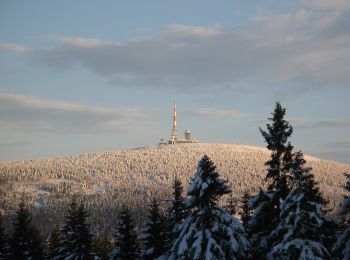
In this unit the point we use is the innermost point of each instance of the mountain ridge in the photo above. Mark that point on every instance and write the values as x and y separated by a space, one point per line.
106 180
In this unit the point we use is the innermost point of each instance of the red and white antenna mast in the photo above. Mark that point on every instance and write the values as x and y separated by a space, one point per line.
173 132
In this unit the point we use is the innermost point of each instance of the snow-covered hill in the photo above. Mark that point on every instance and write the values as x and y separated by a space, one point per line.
108 179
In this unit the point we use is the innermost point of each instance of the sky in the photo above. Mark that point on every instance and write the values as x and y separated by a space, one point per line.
88 76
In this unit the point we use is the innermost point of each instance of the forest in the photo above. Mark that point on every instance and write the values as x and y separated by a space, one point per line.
282 215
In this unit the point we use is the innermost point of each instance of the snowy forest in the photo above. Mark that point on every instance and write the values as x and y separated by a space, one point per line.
286 212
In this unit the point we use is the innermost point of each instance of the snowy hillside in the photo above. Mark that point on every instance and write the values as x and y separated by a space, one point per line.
108 179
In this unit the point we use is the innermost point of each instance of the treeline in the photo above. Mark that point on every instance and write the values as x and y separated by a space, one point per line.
286 220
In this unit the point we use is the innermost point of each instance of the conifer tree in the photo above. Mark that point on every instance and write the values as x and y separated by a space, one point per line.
102 246
154 235
178 211
246 213
266 205
25 242
209 232
37 244
231 204
3 240
299 233
126 241
341 249
52 244
77 237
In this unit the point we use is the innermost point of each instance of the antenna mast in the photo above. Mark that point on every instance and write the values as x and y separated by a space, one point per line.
173 132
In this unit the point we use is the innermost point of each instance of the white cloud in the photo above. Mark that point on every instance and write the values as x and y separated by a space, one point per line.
13 47
279 49
81 42
333 5
27 112
212 112
199 31
290 53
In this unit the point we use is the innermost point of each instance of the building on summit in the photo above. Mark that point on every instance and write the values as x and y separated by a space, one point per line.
173 137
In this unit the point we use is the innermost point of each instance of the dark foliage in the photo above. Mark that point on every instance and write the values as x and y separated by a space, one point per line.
25 241
154 236
77 237
126 241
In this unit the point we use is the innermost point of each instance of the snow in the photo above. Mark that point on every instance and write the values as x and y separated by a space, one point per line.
135 176
222 223
308 250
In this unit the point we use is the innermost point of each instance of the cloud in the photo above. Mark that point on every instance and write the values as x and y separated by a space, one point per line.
339 156
334 5
325 123
344 144
81 42
13 47
338 151
32 113
212 112
289 53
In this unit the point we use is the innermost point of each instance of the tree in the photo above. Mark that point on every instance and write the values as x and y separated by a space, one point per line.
341 249
154 235
126 241
178 211
77 237
231 204
3 240
52 245
276 137
246 213
25 242
266 207
300 231
209 232
102 247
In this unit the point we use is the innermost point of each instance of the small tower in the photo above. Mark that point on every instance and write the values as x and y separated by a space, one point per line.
188 135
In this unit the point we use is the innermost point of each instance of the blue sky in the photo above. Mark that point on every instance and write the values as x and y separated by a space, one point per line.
85 76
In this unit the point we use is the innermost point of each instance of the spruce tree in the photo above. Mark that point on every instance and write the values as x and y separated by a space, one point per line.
126 241
178 211
231 204
209 232
299 234
77 237
246 213
52 244
341 249
102 246
154 235
37 244
3 240
266 205
25 242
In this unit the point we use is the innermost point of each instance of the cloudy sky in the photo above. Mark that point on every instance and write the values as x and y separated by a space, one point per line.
85 76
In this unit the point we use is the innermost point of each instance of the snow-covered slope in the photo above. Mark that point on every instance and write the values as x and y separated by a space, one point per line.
108 179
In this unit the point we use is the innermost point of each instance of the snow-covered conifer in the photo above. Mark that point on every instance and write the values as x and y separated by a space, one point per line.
277 138
178 212
341 249
52 244
209 232
77 237
25 242
126 241
300 231
154 235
